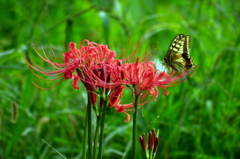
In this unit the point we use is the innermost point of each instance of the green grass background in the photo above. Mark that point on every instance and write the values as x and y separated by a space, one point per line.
199 119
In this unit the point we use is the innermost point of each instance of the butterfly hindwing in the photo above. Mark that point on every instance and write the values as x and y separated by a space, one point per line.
178 54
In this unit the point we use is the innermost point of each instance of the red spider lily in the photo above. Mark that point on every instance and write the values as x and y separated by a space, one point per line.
145 77
81 58
142 77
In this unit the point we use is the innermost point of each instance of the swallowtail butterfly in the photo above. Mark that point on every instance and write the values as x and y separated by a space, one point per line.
178 54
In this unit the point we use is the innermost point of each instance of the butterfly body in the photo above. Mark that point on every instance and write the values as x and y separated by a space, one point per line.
177 56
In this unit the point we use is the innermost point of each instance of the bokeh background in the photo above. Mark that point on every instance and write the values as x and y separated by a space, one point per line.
199 118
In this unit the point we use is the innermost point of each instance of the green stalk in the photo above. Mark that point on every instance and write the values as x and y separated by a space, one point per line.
102 130
96 137
134 131
89 114
85 135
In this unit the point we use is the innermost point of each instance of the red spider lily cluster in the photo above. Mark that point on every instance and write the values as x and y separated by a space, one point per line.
104 75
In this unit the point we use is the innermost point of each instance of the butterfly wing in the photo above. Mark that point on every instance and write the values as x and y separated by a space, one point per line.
186 55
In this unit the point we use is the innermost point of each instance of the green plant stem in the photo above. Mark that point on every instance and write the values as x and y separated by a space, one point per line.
96 137
102 130
85 135
134 131
89 114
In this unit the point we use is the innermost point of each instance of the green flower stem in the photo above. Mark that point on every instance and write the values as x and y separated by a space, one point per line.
134 131
96 137
85 135
89 114
102 130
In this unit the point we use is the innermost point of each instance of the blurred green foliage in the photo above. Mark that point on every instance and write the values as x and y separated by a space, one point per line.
199 118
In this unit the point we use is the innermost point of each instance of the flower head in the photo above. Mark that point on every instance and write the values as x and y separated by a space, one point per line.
142 78
82 59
